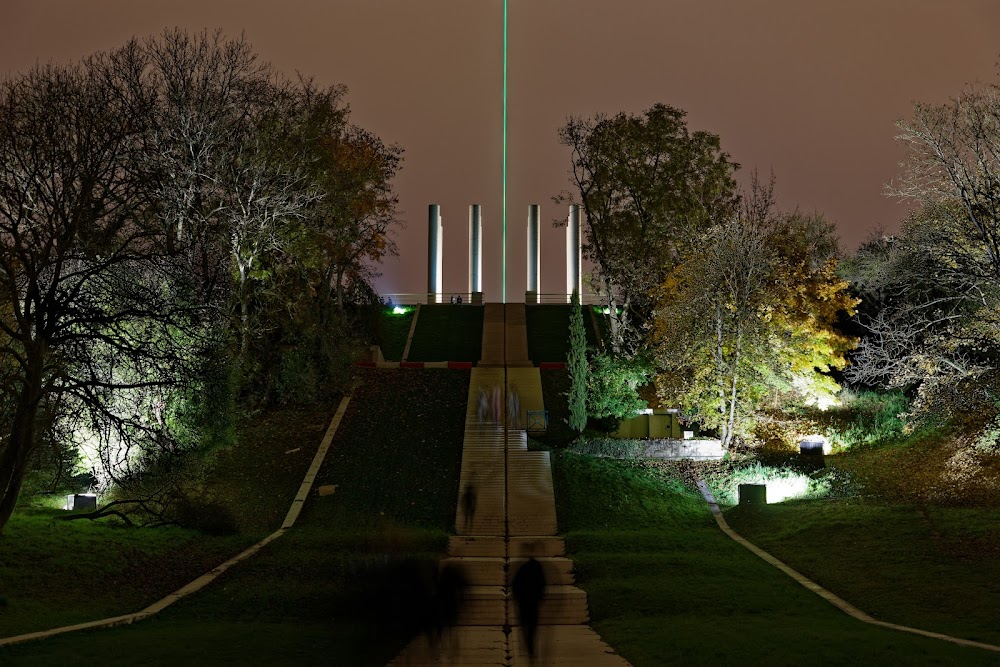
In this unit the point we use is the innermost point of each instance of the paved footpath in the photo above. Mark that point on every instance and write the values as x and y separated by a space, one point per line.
513 516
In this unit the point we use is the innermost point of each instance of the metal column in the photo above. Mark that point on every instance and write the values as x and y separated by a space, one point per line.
434 252
531 292
574 259
475 254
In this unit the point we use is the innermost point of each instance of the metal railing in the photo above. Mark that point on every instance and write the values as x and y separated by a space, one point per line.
413 298
586 299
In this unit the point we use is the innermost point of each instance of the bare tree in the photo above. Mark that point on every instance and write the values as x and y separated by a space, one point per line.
91 311
953 166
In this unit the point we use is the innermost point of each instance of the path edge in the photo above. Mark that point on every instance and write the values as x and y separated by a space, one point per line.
832 598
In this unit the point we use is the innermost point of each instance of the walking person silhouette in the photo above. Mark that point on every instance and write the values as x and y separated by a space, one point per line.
468 505
528 588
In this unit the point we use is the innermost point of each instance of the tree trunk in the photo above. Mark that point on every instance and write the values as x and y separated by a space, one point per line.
731 426
340 290
720 368
244 314
614 324
14 462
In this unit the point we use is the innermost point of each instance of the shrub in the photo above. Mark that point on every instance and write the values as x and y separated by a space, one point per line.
298 379
867 418
613 386
609 447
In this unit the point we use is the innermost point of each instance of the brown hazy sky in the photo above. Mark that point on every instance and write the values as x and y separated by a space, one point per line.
807 88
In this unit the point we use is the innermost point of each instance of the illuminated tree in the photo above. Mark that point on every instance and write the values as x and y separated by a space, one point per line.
92 312
613 384
156 204
751 314
648 187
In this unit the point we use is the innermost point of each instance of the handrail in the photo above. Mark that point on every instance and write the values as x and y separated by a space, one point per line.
413 298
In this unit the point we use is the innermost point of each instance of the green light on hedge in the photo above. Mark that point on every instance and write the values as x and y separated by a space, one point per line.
399 310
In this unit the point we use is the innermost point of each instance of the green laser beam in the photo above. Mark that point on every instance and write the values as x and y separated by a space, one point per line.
503 207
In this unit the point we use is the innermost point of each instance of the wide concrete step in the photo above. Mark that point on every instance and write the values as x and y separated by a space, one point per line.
476 546
564 646
472 646
561 605
539 546
483 605
480 571
558 571
498 571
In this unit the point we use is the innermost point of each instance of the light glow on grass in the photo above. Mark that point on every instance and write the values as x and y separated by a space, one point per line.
399 310
782 484
783 488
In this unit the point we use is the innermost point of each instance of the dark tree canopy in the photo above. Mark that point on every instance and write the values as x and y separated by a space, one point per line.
648 187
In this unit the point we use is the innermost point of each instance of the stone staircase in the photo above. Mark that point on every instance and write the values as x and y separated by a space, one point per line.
513 518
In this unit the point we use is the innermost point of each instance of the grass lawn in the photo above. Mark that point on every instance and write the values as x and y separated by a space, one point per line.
393 330
319 594
934 568
447 332
56 573
666 586
548 331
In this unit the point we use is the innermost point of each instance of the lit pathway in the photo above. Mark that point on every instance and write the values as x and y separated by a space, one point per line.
514 514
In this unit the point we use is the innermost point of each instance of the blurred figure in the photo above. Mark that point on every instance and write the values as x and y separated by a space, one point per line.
468 505
528 589
497 405
513 407
445 605
483 408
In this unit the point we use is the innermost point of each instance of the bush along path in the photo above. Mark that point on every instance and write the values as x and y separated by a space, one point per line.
506 516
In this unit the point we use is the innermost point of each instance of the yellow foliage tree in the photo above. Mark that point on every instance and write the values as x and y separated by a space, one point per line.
752 315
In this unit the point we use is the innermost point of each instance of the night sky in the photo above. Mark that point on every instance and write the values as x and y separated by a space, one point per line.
807 89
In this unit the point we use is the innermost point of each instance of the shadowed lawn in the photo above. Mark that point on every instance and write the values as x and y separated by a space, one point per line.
56 573
933 568
448 333
321 593
666 586
555 385
548 331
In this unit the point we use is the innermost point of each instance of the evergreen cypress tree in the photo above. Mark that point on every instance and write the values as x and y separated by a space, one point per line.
576 364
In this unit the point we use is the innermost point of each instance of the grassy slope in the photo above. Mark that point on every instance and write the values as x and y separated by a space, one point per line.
548 331
313 594
665 585
55 573
448 333
555 384
918 545
393 332
935 570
